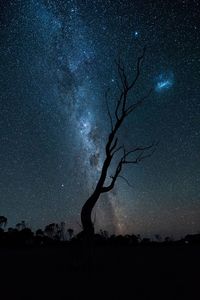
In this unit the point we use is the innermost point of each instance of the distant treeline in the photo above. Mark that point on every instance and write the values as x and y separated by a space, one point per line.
58 234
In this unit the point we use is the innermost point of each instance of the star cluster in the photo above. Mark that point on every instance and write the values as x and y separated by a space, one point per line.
164 82
57 61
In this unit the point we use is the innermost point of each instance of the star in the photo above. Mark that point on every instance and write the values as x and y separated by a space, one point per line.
136 33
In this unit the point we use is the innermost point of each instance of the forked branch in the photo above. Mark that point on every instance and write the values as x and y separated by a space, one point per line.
124 107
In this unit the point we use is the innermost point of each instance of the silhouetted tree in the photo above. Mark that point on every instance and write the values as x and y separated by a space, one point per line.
1 234
26 235
168 239
192 238
10 229
50 230
3 221
61 231
70 232
123 109
39 232
104 234
21 225
145 241
158 237
55 231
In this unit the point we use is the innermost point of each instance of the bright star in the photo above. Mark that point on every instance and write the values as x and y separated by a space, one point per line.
136 33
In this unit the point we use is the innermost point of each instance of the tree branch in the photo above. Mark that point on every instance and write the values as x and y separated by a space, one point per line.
114 145
125 111
117 150
126 180
138 103
108 109
138 68
124 161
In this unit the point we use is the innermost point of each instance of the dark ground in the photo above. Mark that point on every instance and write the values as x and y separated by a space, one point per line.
120 272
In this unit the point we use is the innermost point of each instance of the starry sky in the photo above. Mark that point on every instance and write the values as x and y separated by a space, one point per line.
56 62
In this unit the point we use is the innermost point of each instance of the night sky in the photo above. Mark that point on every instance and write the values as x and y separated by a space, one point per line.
56 62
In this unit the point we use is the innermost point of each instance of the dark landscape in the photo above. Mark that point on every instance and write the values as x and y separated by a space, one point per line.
116 267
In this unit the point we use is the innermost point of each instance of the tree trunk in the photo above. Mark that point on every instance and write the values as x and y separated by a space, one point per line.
86 212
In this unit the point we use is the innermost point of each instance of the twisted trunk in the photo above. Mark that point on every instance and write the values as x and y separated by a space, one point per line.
86 212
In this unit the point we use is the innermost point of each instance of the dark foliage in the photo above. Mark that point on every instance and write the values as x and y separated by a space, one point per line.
55 234
46 264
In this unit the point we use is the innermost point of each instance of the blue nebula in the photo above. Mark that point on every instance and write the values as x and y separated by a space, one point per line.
164 82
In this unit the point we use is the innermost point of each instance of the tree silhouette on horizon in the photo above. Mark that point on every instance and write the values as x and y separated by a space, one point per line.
122 110
3 221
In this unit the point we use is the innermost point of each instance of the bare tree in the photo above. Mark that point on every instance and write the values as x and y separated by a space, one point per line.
3 221
21 226
70 232
124 107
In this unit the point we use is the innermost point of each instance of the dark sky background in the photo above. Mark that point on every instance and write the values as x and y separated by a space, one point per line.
56 61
